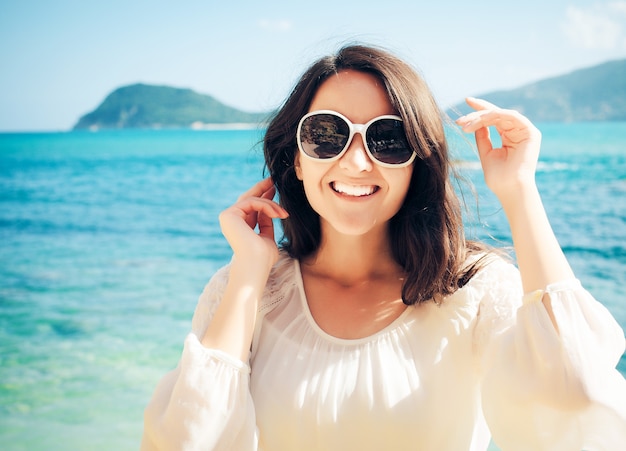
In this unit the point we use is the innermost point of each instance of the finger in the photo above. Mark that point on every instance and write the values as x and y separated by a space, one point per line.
480 104
277 210
250 207
502 120
258 189
266 226
483 141
269 194
244 216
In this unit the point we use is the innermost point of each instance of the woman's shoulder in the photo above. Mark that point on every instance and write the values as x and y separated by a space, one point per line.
279 286
209 300
280 283
492 295
281 277
492 265
494 275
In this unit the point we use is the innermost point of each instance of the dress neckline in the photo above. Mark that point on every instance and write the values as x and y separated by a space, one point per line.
325 335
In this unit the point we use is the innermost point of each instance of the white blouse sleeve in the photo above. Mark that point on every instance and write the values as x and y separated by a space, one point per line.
549 389
205 403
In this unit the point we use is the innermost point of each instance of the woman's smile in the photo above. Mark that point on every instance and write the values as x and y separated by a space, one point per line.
353 190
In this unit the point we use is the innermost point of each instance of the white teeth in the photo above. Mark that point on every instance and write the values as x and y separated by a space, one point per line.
353 190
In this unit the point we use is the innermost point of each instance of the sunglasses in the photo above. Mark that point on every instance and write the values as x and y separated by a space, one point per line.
325 135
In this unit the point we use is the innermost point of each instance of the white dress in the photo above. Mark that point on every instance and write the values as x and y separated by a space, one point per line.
488 360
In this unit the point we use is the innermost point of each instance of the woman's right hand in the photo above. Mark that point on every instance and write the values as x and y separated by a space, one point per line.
254 208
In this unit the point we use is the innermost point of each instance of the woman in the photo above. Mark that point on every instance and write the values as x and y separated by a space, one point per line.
376 325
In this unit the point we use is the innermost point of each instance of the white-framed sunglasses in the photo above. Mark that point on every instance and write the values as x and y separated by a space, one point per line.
325 135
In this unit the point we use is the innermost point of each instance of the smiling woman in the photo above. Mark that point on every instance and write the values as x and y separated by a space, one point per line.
375 324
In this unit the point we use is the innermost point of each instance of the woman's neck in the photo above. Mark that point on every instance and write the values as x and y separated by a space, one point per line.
353 259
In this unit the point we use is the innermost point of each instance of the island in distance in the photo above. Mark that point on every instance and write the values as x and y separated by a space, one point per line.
595 93
150 106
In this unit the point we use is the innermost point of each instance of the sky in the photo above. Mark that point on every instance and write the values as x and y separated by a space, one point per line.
60 58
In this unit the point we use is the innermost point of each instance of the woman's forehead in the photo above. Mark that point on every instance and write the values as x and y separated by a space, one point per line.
359 96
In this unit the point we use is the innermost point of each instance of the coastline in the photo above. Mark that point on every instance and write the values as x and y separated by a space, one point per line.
198 125
228 126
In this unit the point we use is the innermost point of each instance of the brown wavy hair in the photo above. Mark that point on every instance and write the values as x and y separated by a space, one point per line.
426 234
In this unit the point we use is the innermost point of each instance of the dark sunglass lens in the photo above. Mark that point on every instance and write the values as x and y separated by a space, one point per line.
387 141
324 135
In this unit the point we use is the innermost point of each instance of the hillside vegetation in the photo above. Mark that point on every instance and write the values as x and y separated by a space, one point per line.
149 106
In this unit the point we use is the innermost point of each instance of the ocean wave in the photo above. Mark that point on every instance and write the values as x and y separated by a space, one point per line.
551 166
609 253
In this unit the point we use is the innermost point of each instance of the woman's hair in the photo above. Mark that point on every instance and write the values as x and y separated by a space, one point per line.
426 234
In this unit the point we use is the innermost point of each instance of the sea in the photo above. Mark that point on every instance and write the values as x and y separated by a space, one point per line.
107 239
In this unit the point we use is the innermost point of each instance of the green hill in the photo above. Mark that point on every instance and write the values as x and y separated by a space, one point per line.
596 93
148 106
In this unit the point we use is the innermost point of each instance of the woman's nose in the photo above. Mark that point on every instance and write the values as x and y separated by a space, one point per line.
356 157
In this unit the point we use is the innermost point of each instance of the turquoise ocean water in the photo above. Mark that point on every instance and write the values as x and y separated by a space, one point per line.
106 240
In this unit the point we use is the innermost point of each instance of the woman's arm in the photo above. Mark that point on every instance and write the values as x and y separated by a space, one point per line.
205 402
510 173
544 387
254 254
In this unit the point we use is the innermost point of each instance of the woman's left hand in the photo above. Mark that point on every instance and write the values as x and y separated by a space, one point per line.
512 166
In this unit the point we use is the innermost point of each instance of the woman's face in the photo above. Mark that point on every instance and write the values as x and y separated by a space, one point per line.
353 195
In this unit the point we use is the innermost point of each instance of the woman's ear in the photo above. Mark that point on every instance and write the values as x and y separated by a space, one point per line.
297 168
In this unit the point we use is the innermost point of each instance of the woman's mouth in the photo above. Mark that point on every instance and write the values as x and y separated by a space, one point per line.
353 190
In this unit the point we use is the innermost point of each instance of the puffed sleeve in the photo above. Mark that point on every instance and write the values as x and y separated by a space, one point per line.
205 403
547 388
